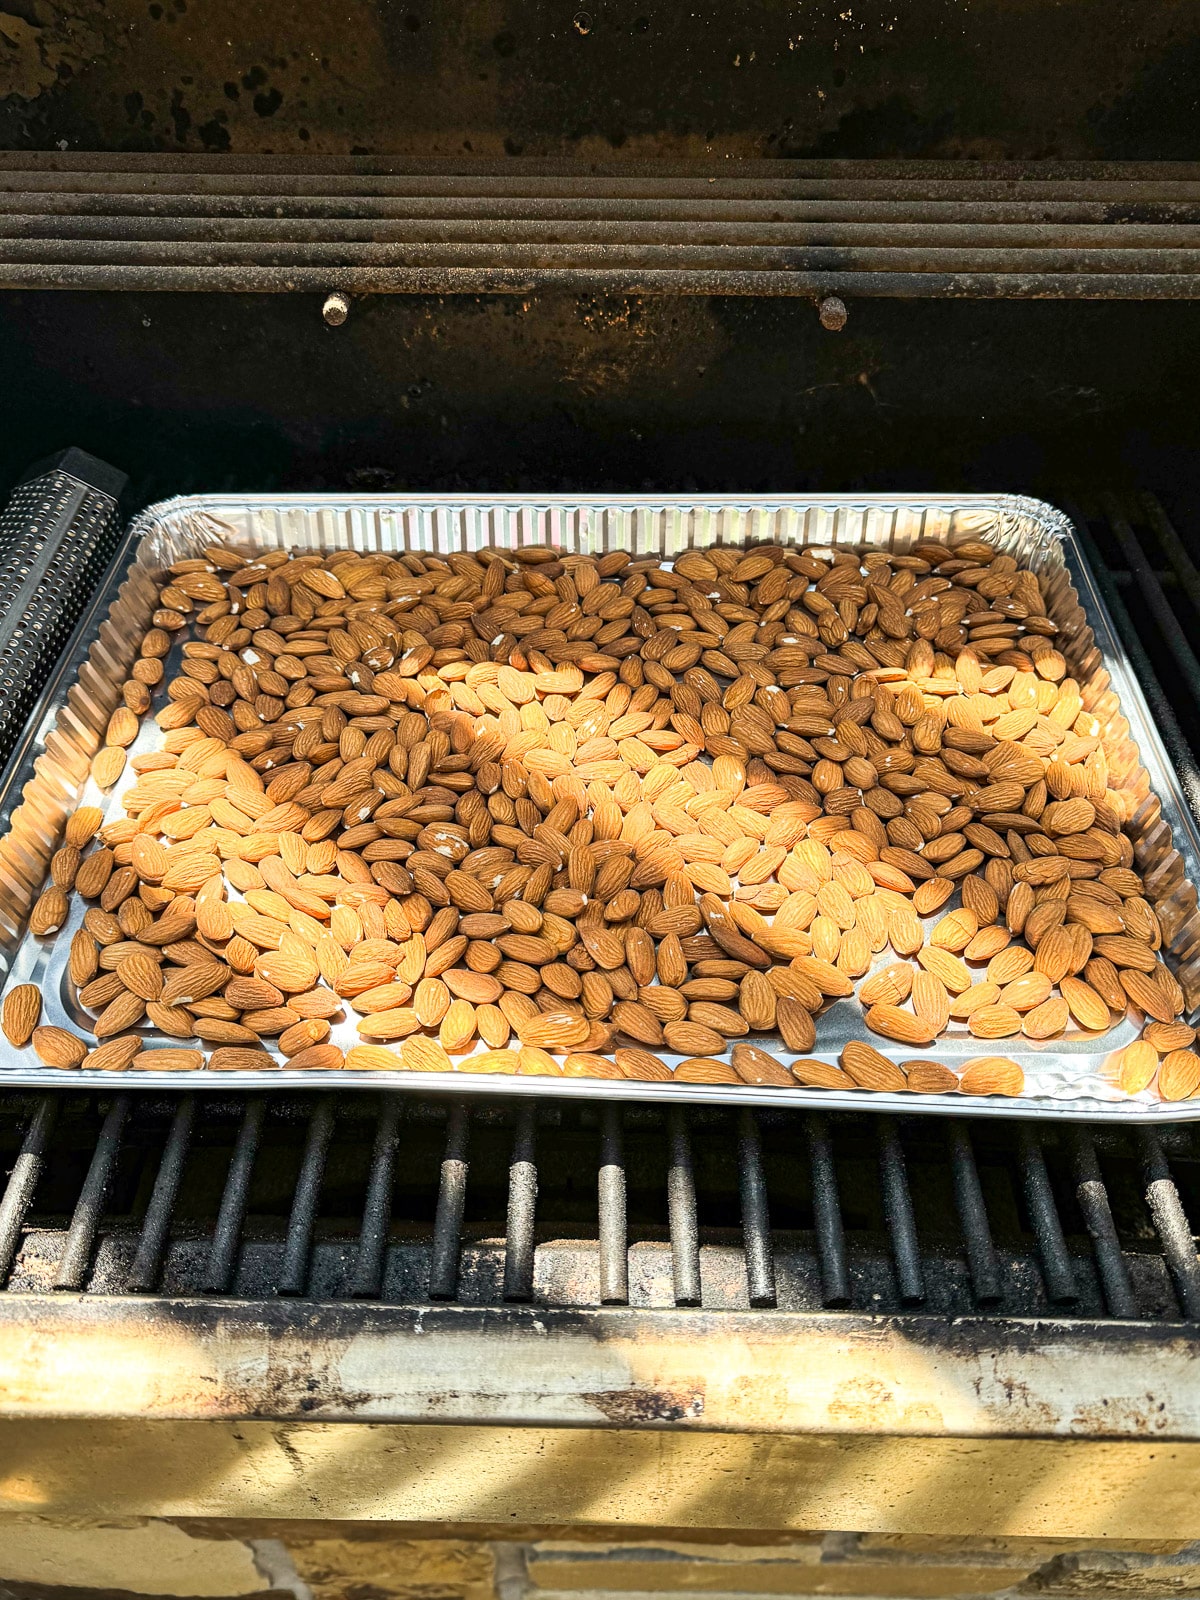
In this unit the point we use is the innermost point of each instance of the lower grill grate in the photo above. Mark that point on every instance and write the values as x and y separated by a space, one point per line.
409 1200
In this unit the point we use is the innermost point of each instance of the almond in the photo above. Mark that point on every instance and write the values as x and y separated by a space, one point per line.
1147 995
122 727
82 826
397 1023
21 1011
318 1058
114 1055
999 1021
930 1001
705 1069
123 1012
992 1075
1046 1020
1165 1036
1053 954
421 1054
795 1024
167 1060
693 1038
757 1067
107 766
953 973
58 1048
1087 1006
869 1069
902 1026
642 1065
49 913
142 975
929 1077
238 1058
590 1066
820 1075
1026 992
84 959
891 985
1178 1075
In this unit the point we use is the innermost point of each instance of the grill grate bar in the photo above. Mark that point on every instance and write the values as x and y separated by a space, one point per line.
756 1220
522 1207
23 1180
1183 569
982 1260
367 1282
1152 592
1057 1270
85 1223
1171 1223
451 1204
681 1211
1091 1195
898 1209
227 1235
827 1214
611 1197
147 1263
298 1249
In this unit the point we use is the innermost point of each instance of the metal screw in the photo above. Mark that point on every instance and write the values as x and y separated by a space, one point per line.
833 314
336 309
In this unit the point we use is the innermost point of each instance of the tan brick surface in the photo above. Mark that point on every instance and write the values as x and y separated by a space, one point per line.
393 1569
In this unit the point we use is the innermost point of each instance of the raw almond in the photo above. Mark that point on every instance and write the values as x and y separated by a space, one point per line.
1046 1020
820 1075
167 1060
1179 1075
930 1001
1087 1006
903 1026
795 1024
421 1054
992 1075
643 1065
84 962
142 975
755 1066
705 1069
870 1069
114 1055
49 913
1165 1036
1147 995
318 1058
238 1058
58 1048
123 1012
82 826
891 985
21 1011
998 1021
929 1077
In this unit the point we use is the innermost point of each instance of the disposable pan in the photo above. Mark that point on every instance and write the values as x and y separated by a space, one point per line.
1064 1077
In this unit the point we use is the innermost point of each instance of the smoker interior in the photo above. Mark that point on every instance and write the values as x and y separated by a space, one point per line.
1087 402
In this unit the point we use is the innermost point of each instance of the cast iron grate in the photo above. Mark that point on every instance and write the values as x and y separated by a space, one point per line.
407 1199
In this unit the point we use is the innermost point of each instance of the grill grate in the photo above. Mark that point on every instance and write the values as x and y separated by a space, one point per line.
408 1200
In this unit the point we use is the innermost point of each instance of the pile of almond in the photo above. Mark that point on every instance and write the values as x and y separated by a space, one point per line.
526 812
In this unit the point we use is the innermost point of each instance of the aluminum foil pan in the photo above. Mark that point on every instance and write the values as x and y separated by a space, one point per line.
1064 1077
